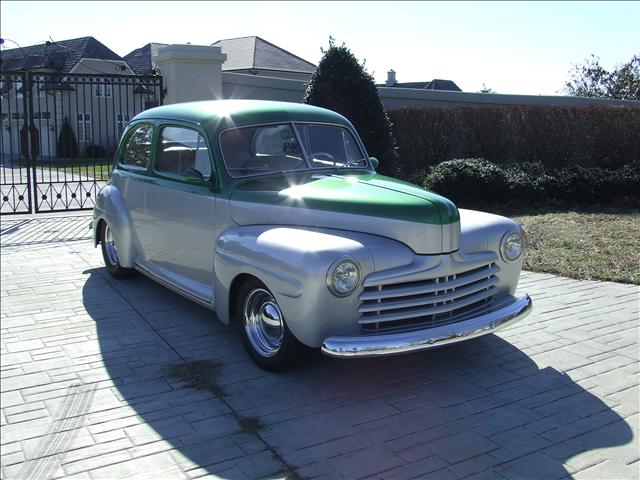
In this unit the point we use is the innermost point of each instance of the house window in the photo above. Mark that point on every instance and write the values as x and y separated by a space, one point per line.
121 119
42 115
102 90
84 127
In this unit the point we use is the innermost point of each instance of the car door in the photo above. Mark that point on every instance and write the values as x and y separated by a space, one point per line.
180 210
130 177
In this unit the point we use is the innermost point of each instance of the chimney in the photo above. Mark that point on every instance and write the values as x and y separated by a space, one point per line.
391 78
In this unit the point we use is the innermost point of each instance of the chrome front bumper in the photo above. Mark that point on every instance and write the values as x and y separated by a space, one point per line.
394 343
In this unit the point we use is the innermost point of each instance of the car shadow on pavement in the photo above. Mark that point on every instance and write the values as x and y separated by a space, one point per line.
483 406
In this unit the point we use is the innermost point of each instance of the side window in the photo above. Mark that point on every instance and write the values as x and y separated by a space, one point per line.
182 149
137 151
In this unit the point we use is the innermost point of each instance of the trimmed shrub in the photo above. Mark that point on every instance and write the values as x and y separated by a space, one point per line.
629 180
583 185
528 182
468 181
95 151
553 136
472 183
342 84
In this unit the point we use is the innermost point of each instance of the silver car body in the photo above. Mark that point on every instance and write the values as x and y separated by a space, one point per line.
200 243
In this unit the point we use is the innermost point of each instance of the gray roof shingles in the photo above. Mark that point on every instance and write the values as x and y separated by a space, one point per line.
143 60
254 52
59 56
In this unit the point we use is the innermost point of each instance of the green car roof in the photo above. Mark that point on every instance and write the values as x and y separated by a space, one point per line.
217 115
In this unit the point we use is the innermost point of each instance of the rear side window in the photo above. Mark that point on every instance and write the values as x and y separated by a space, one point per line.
137 152
182 149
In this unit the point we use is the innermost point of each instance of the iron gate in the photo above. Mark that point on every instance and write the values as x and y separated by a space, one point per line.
59 135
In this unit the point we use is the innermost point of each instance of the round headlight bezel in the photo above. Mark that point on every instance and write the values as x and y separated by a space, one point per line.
332 269
506 240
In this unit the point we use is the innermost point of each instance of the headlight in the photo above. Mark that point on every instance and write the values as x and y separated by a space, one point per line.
343 277
512 246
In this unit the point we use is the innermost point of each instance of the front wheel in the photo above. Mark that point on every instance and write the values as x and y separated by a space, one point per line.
263 329
110 255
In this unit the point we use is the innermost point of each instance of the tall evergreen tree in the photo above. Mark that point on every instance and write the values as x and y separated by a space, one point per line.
67 145
342 84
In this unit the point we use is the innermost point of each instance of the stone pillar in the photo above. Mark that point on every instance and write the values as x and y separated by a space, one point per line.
191 72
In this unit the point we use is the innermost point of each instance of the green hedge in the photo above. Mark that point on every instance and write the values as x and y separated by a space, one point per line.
556 137
474 182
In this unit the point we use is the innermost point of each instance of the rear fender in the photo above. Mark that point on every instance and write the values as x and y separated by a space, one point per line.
110 207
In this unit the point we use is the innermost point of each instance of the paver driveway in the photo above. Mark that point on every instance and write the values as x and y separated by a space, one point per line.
85 390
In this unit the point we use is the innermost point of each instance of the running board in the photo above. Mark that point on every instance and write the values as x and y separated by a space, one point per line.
174 288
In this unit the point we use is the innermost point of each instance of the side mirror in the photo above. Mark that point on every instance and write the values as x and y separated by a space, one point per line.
374 162
193 176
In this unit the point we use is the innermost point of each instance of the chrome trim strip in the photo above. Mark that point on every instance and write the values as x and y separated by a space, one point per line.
174 288
395 343
417 312
450 297
428 285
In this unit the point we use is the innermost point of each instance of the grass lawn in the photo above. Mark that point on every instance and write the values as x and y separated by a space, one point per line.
583 244
96 168
101 172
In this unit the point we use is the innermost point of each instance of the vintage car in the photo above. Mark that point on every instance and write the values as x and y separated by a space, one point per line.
271 214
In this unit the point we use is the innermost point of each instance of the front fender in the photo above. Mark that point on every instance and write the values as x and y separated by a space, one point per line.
481 231
110 207
293 263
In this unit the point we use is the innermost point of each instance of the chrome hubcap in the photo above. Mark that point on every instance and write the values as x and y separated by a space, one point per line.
110 246
263 322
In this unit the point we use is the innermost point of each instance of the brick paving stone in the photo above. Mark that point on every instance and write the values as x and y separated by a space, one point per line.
105 459
498 420
610 470
10 399
83 394
461 446
367 462
414 469
24 346
472 466
260 465
517 442
533 466
442 474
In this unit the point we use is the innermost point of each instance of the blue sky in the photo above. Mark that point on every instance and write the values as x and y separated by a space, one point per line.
511 47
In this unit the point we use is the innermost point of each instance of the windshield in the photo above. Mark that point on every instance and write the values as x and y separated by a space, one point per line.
277 148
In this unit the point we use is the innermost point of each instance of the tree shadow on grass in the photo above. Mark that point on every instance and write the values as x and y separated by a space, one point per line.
481 406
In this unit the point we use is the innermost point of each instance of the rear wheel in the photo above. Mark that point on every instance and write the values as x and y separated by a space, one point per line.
110 255
263 329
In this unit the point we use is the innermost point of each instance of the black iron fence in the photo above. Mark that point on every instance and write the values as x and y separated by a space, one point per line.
59 134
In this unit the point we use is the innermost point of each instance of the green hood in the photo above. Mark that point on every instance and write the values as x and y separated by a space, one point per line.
366 194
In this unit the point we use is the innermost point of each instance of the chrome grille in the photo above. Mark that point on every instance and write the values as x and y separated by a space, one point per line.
430 302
